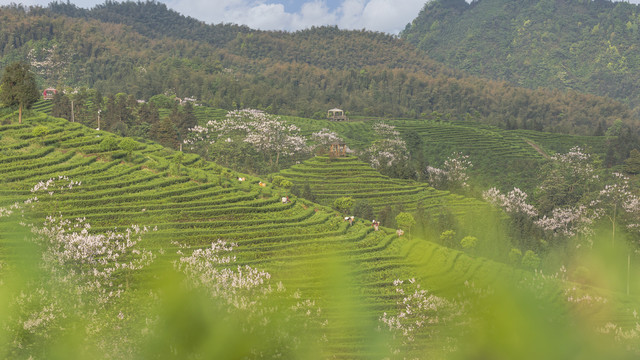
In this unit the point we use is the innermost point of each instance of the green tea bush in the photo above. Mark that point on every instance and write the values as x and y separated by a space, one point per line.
109 143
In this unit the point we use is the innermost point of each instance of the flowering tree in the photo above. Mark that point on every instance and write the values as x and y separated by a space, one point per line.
616 197
389 149
90 261
83 274
324 138
266 133
569 222
566 181
453 174
615 201
417 310
240 288
632 206
515 204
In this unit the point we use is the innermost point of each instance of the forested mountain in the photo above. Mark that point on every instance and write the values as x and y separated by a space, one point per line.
587 46
145 49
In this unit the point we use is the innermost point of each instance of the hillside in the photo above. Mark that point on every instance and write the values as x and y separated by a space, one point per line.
122 47
503 158
191 203
330 179
500 157
196 205
587 46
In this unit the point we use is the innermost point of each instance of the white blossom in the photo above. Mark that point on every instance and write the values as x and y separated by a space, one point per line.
89 261
453 173
241 286
570 221
389 149
417 309
513 202
266 133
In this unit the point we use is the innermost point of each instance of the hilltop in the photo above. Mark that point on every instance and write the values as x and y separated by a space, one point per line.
586 46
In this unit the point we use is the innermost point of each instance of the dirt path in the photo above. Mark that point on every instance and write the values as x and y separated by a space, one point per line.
538 149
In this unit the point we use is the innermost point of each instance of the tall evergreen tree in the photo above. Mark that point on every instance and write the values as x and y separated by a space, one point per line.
18 87
165 133
61 106
183 118
148 113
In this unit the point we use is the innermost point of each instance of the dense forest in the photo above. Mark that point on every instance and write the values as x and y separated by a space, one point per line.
587 46
145 49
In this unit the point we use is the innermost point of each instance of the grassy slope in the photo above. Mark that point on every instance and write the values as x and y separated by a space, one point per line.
300 243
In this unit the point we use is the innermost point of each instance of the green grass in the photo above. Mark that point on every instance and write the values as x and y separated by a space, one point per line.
302 244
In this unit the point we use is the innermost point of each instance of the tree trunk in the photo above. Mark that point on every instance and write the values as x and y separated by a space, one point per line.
20 114
613 233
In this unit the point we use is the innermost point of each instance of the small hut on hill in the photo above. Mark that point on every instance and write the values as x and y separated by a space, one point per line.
49 93
336 115
338 149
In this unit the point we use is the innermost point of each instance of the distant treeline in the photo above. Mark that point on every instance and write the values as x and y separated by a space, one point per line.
144 49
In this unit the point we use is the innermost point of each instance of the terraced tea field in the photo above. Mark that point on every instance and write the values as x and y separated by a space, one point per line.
293 241
502 158
43 106
305 245
561 143
331 178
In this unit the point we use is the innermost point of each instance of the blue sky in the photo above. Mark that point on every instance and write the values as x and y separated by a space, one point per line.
294 6
390 16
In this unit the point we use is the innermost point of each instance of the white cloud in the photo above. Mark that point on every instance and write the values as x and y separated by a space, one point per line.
315 14
351 14
379 15
265 16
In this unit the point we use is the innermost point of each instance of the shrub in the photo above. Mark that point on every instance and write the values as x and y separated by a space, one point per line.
109 143
469 243
530 260
128 145
363 209
343 204
307 194
582 275
447 238
286 184
405 221
40 131
515 256
277 180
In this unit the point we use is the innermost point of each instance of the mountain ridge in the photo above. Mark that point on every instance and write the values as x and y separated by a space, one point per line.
585 46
